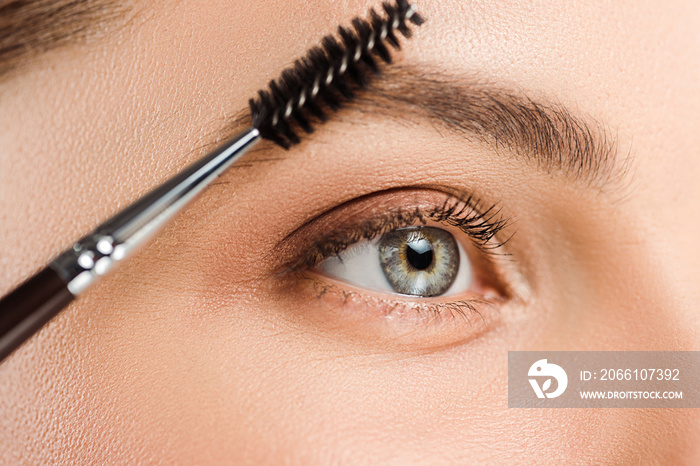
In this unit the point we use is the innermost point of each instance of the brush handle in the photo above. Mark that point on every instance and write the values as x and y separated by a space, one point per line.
29 307
26 309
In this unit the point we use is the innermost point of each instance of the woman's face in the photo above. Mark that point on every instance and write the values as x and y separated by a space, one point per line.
229 337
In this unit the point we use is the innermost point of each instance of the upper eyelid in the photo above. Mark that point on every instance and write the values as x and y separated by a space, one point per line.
481 232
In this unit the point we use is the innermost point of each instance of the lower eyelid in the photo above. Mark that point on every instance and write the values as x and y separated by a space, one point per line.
421 323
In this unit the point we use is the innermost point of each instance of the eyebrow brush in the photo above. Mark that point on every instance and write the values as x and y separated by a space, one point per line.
326 78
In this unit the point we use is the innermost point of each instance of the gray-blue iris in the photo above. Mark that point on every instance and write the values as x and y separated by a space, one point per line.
420 261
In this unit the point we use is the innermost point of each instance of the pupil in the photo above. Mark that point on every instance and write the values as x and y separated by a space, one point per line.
419 254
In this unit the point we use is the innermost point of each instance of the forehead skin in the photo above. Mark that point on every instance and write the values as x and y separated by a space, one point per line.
164 361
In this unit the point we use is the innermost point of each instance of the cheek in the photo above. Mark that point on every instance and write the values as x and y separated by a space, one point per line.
131 377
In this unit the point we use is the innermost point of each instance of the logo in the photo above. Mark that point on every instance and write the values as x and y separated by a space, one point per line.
542 368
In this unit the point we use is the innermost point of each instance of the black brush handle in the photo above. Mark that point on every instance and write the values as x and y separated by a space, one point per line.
27 308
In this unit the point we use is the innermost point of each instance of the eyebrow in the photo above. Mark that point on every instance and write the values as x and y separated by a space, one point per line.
542 133
539 132
32 27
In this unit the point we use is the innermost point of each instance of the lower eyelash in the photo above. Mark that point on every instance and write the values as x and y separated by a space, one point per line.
473 311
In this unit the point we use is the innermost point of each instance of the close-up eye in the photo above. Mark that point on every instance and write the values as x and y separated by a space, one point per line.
419 261
364 232
414 257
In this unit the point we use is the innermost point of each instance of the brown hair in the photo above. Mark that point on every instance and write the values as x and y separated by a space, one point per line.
31 27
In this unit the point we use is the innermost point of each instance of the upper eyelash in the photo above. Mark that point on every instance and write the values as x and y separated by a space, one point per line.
481 225
466 214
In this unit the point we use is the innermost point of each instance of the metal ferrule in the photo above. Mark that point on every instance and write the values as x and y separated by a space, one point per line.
115 239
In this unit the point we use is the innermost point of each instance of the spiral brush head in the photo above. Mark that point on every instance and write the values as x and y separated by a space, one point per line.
330 74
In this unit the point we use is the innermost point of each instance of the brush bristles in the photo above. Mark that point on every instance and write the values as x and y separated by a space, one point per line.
330 74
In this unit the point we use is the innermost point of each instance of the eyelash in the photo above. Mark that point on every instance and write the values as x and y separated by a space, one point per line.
483 224
431 311
466 214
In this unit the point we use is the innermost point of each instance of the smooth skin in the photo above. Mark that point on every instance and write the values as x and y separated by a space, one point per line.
196 352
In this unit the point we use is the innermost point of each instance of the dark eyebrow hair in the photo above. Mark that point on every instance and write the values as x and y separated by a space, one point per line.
31 27
540 132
